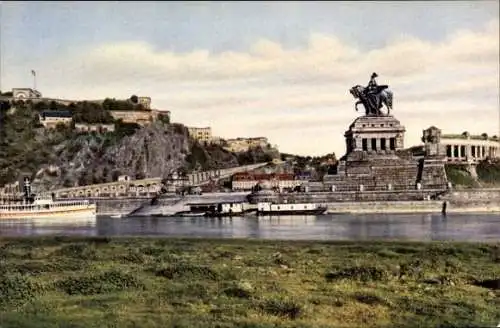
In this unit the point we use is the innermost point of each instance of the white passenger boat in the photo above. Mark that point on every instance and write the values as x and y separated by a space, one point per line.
268 208
45 207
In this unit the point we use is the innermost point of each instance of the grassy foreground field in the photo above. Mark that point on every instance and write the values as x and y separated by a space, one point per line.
153 282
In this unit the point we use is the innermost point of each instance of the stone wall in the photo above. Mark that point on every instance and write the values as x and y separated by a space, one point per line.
140 117
118 205
350 196
432 173
473 196
432 206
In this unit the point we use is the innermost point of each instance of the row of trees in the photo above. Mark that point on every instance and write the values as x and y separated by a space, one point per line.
88 112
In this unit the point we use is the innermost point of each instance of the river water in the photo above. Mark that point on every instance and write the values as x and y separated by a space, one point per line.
422 227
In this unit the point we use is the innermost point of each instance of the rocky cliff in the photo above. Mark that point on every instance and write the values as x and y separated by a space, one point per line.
154 151
62 158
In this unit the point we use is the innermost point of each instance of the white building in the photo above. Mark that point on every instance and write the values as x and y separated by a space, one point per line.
25 93
50 119
470 148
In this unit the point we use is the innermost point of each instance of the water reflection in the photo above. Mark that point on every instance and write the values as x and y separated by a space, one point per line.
328 227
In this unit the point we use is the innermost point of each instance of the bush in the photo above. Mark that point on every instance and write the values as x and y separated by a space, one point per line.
370 299
459 176
364 274
111 281
81 251
180 271
164 118
488 172
15 290
282 308
240 290
39 267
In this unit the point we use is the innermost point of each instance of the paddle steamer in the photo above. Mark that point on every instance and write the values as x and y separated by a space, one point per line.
44 206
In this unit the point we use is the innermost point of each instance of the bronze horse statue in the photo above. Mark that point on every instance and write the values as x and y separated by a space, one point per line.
373 102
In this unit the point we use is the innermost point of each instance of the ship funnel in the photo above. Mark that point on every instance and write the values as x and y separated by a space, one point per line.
27 187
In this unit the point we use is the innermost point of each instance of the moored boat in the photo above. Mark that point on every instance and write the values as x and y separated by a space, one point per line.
268 208
190 214
45 207
227 209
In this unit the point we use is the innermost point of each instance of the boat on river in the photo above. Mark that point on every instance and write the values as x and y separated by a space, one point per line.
268 208
45 207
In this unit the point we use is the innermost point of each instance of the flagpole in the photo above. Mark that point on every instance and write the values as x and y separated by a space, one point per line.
34 79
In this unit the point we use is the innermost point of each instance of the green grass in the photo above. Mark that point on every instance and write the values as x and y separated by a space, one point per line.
459 176
153 282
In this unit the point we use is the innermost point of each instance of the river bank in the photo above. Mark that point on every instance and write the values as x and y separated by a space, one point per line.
154 282
457 201
430 207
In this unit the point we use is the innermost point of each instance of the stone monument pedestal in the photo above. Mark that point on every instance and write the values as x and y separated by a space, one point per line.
376 159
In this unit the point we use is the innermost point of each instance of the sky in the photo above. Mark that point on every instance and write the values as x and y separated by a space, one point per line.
282 70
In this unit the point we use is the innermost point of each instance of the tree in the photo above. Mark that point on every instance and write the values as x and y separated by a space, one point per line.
61 127
134 99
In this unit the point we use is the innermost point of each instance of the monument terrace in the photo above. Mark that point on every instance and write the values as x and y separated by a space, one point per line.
376 166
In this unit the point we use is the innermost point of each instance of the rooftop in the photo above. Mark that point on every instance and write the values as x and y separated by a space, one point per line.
56 113
471 137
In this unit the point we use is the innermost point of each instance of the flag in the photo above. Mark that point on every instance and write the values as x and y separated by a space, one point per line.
33 73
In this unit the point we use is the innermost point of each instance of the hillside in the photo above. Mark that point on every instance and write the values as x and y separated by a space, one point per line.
63 158
487 175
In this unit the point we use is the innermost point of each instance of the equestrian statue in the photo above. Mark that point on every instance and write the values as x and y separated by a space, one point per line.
373 97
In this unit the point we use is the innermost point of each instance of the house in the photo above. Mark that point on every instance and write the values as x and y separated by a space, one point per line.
50 119
98 128
247 180
201 134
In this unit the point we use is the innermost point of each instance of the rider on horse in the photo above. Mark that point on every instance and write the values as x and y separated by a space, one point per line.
373 91
372 85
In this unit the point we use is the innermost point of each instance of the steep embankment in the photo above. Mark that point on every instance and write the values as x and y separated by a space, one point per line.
486 174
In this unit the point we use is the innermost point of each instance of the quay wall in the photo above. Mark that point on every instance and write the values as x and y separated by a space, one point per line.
347 196
470 200
467 195
432 206
114 206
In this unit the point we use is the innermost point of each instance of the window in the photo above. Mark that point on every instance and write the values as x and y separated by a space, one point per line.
455 151
448 151
374 144
382 144
364 144
392 143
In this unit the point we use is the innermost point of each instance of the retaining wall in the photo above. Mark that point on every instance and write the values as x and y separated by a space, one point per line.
432 206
